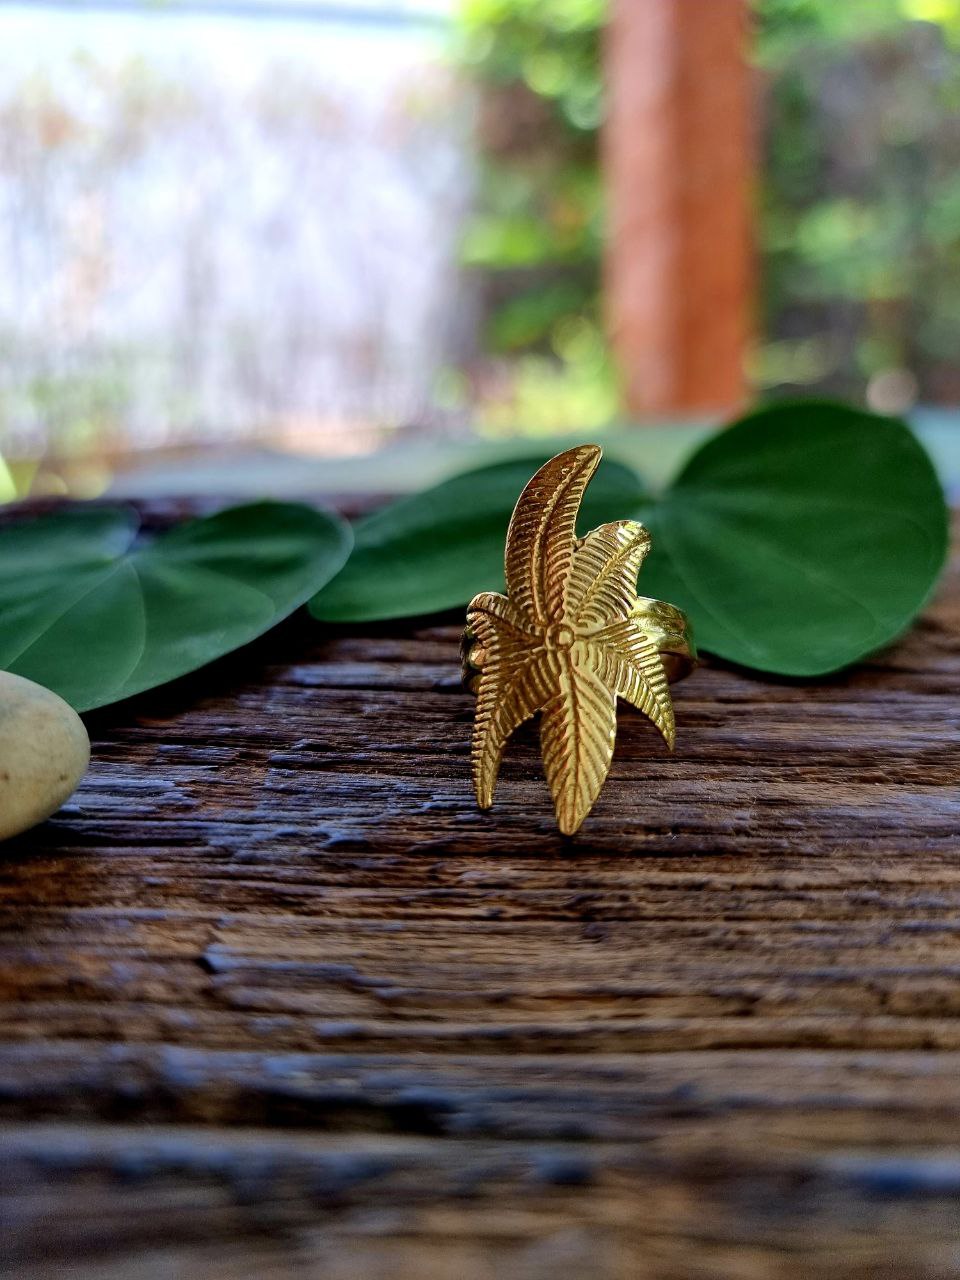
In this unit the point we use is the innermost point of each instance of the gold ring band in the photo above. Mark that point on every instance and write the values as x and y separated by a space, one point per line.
666 625
669 629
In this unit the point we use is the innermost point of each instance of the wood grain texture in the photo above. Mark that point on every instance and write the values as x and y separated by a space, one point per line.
277 1000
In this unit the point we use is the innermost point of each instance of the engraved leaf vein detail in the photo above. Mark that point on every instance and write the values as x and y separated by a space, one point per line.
563 642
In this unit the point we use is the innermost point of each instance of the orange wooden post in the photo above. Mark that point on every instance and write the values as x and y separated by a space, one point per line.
678 155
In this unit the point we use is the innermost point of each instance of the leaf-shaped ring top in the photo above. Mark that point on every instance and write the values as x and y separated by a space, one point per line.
570 636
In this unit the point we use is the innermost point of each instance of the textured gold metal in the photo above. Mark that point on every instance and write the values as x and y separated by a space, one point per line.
570 636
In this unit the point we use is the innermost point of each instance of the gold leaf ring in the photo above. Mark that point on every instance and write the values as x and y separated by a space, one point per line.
570 636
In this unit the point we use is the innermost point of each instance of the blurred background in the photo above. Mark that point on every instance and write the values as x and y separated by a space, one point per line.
237 232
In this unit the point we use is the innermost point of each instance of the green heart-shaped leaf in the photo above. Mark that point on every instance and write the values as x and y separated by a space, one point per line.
437 550
94 617
800 539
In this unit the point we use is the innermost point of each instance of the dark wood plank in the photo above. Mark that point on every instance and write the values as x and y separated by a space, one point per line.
277 1000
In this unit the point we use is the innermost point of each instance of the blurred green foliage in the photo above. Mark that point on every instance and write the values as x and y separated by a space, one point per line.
537 232
859 204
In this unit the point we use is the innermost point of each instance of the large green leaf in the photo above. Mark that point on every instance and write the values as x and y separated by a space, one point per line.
798 540
89 613
437 550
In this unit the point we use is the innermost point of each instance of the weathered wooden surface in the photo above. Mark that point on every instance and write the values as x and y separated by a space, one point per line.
276 1001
